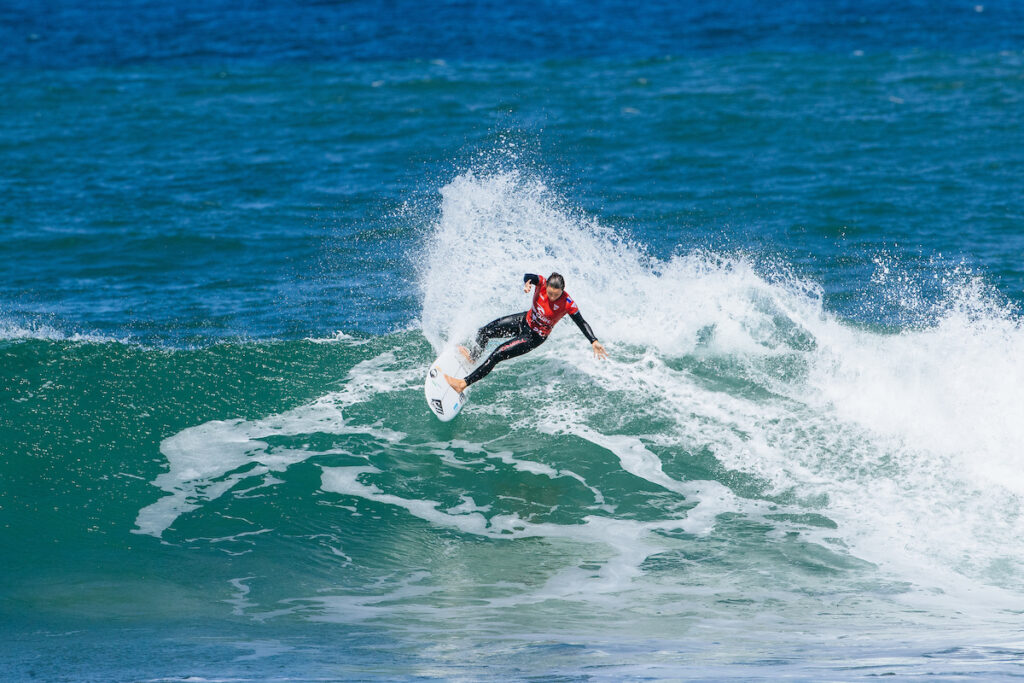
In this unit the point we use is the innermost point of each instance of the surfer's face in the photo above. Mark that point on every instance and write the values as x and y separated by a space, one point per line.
553 292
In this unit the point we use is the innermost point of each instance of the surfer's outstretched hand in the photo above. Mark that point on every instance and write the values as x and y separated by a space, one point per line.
599 351
527 287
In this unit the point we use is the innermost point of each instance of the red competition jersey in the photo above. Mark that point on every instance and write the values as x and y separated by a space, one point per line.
544 313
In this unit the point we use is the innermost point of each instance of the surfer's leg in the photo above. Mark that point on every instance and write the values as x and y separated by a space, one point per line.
509 326
510 349
455 383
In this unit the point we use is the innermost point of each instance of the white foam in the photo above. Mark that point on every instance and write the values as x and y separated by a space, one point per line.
445 451
339 337
240 601
207 460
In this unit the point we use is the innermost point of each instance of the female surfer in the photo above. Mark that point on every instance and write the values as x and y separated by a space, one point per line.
528 329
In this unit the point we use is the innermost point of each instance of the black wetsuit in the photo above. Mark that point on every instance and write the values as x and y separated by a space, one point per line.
525 337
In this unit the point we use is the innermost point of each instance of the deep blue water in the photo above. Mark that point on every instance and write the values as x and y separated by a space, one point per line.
233 235
72 34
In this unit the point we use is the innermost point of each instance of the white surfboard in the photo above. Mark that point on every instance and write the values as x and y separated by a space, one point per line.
444 401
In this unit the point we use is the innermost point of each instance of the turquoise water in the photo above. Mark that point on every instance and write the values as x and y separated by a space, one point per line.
233 239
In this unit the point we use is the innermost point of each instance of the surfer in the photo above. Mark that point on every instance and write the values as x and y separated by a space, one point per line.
528 329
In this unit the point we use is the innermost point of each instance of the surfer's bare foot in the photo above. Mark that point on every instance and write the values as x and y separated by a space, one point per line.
458 385
465 352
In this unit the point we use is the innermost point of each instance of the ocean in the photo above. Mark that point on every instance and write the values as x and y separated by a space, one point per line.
233 236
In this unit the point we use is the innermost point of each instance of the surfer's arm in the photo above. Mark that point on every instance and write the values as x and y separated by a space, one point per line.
599 351
530 279
577 318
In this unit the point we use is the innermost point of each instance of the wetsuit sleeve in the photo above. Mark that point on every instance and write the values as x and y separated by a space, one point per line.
577 318
532 279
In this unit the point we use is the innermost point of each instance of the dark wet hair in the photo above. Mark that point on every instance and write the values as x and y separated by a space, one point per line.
556 280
